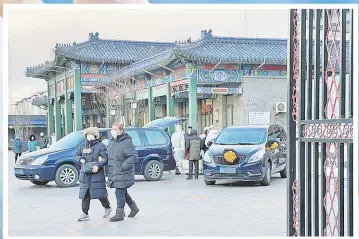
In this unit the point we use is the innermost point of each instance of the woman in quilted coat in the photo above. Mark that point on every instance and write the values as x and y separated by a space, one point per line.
122 156
93 158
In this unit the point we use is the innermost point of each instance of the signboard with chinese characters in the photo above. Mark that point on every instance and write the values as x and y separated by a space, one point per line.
259 118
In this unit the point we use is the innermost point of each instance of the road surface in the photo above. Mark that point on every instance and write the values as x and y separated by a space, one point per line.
172 206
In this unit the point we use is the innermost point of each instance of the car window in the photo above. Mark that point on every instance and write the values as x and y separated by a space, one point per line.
273 133
71 140
135 137
242 136
155 137
103 135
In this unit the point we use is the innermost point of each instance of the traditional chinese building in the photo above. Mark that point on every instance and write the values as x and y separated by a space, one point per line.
74 72
211 81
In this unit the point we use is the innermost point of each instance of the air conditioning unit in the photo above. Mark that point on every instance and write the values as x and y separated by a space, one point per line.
280 107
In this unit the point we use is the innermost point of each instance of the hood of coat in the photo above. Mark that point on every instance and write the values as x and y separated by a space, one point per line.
93 131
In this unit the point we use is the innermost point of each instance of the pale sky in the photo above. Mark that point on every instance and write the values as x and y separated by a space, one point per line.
34 33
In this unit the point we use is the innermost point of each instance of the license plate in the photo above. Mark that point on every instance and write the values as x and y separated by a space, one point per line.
19 171
227 170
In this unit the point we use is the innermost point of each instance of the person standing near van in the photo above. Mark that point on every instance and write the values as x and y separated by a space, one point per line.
44 141
18 143
193 147
32 144
93 158
122 156
178 144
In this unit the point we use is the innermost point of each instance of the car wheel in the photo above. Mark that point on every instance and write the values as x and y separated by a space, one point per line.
283 173
153 171
39 183
66 176
209 182
267 175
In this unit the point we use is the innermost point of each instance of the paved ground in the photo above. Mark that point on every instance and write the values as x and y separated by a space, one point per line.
170 207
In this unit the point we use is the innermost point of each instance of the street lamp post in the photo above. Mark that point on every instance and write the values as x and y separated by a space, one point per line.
113 115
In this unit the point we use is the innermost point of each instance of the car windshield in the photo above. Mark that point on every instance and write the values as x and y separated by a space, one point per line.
242 136
71 140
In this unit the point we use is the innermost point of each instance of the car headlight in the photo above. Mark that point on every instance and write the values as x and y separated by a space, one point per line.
207 158
258 156
39 160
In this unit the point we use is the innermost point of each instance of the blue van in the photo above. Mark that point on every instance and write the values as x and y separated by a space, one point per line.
57 163
246 153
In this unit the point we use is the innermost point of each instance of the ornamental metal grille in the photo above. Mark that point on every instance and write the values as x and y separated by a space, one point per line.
320 152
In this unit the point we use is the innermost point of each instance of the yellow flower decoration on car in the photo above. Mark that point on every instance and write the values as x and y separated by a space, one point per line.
230 156
274 146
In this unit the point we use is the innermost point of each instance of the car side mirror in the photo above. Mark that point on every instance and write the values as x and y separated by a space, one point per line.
210 142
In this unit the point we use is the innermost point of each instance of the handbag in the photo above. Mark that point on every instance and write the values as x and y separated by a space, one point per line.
88 166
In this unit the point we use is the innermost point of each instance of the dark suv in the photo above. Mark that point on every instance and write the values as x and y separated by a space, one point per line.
57 163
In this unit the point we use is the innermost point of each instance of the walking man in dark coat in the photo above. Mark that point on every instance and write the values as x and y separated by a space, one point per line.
93 157
122 156
193 147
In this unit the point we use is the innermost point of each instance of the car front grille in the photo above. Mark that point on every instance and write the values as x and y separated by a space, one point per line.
220 160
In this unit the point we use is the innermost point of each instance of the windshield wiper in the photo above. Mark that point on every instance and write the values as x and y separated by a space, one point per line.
246 144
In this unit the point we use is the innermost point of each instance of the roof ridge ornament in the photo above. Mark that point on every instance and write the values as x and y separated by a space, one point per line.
94 36
206 34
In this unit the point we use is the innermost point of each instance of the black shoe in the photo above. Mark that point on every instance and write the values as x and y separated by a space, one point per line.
120 215
177 173
189 178
134 209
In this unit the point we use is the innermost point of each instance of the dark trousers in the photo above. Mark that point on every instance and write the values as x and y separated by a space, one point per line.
16 156
86 202
123 197
196 168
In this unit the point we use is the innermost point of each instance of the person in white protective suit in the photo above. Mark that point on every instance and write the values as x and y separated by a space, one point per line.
178 144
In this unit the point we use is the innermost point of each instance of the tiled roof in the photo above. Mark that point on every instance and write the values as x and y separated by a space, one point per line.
230 50
98 50
38 70
111 51
236 50
217 49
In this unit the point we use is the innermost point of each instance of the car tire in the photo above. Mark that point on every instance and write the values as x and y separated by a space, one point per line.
283 173
153 170
267 175
39 183
207 182
72 176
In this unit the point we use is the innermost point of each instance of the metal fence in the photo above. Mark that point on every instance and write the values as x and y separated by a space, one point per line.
320 152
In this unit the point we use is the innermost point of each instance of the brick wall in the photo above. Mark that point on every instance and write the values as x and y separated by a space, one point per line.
260 95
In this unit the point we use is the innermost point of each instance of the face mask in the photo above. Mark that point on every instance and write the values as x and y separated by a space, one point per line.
90 137
189 131
114 134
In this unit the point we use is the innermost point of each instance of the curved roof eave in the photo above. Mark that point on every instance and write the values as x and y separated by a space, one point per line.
148 64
